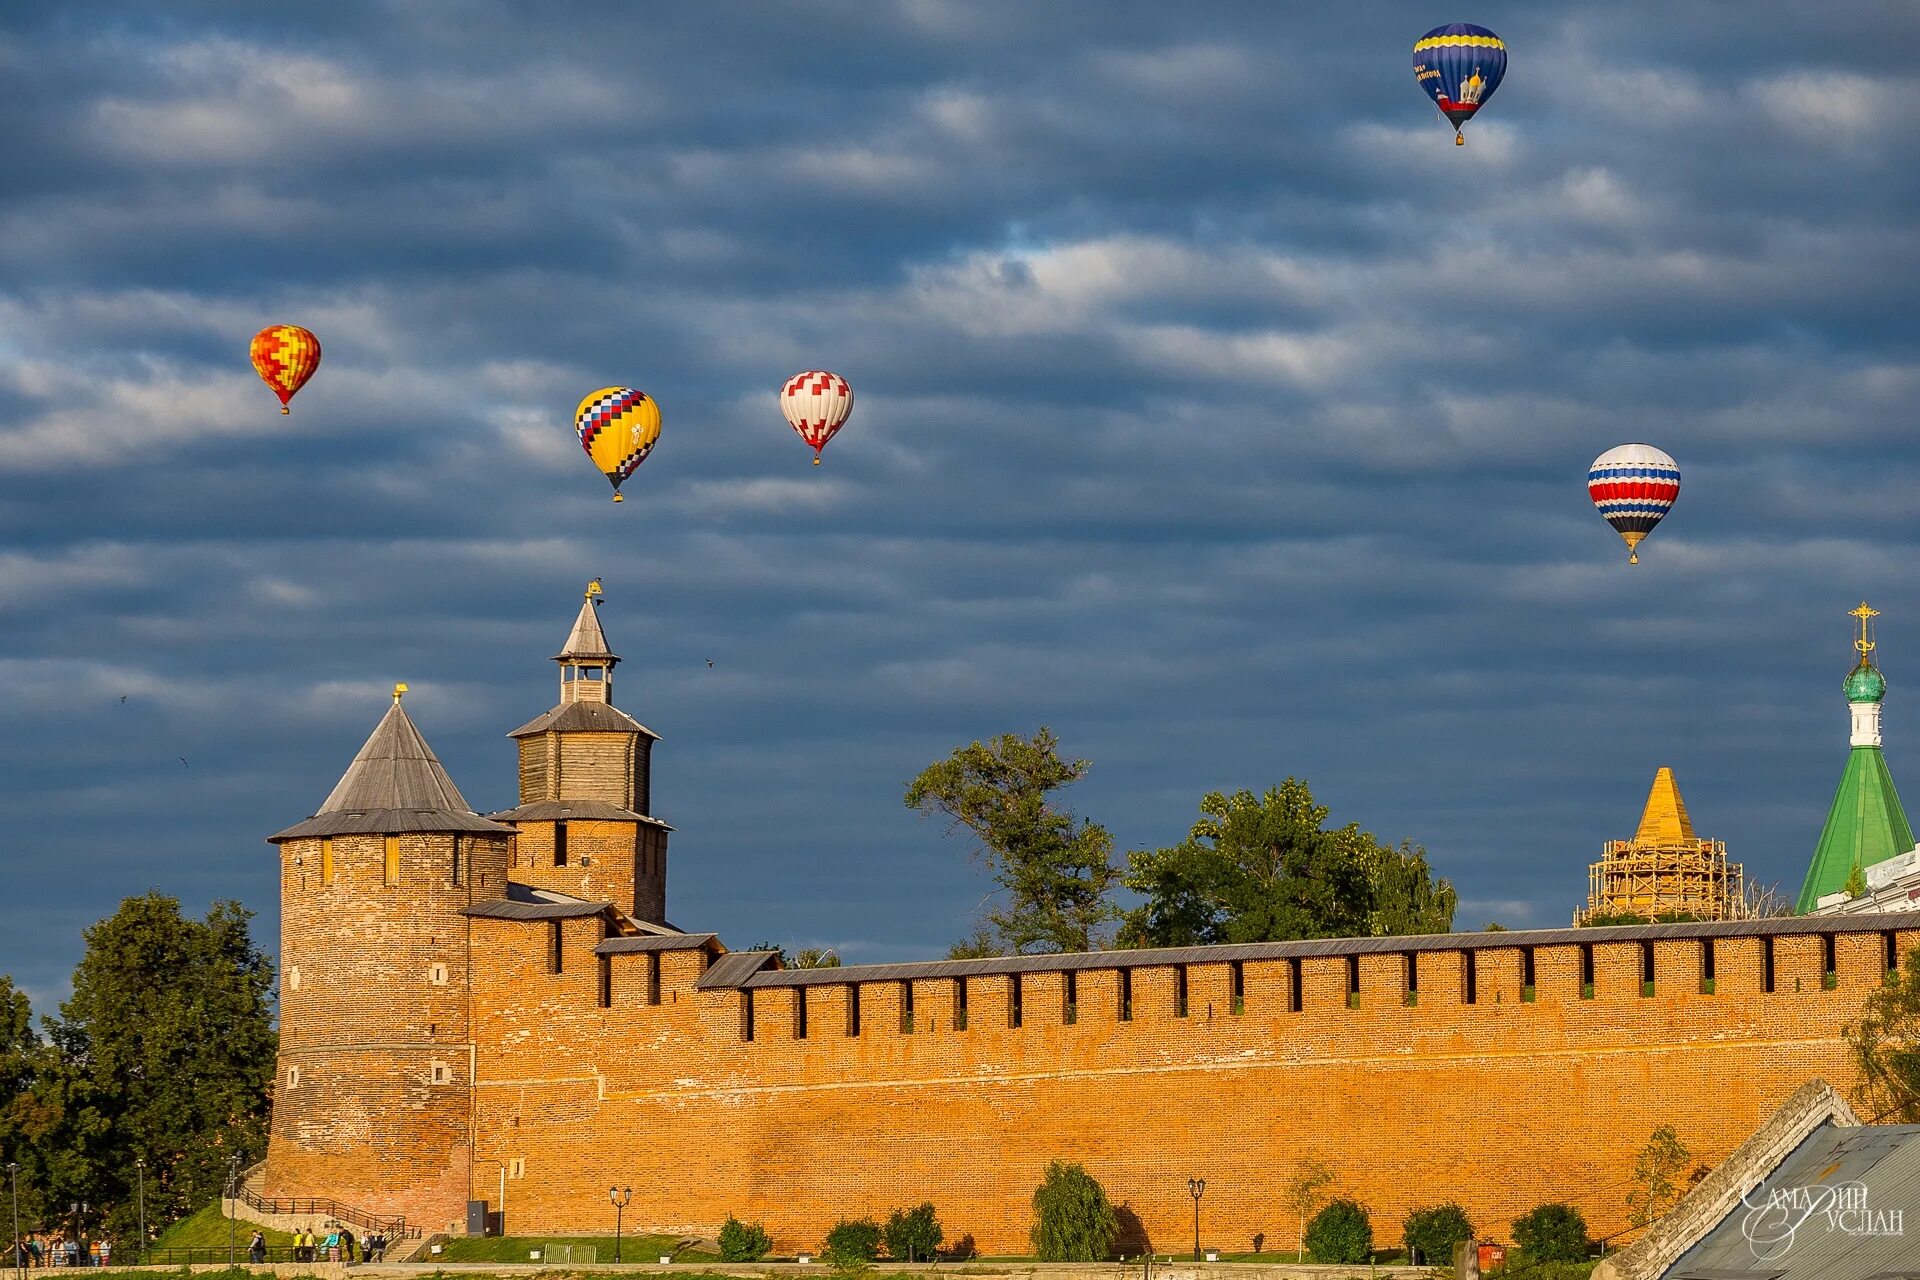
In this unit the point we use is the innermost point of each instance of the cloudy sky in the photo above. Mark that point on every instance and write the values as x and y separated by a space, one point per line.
1213 409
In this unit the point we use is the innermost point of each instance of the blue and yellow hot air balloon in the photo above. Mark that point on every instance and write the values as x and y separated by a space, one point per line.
1459 65
618 427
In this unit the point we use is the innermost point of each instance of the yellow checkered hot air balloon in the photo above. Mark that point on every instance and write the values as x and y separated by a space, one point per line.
285 355
618 428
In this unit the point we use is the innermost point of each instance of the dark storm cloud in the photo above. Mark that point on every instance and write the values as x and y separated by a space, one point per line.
1214 408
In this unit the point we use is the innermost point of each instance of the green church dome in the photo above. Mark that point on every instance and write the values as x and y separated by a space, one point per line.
1864 684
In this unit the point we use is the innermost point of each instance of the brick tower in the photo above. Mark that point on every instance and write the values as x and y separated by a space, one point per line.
585 766
373 1105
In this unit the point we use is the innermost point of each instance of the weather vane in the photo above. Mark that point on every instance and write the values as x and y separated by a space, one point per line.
1863 644
593 589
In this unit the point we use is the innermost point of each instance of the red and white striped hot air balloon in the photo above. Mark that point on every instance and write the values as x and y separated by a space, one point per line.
817 404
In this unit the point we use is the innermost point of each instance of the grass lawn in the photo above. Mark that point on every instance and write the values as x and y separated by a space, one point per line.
633 1248
207 1229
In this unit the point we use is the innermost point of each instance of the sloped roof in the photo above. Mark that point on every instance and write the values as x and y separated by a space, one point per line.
394 784
586 640
584 717
1866 824
585 810
1664 822
658 942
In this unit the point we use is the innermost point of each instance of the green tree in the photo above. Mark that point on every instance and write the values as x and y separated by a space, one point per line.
852 1242
1055 872
1433 1233
740 1242
1885 1044
165 1053
1265 868
27 1110
1656 1176
1303 1194
1551 1233
1856 885
1073 1221
816 958
913 1234
1406 897
1341 1232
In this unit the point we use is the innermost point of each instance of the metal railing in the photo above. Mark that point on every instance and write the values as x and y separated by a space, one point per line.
321 1211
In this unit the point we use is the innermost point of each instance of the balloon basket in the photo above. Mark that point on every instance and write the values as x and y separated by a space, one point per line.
1459 139
816 459
618 498
285 410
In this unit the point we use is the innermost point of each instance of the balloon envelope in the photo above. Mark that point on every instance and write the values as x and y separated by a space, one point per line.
1459 65
618 428
285 356
817 404
1633 486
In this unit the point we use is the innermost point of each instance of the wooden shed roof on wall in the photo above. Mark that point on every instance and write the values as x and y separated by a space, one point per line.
395 784
585 810
759 975
584 717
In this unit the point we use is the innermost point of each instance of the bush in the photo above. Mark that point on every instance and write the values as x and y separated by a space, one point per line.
851 1241
1551 1233
1435 1231
742 1243
1073 1221
913 1234
1341 1232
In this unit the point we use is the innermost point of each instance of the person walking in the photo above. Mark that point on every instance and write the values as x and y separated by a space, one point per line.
332 1245
346 1244
257 1249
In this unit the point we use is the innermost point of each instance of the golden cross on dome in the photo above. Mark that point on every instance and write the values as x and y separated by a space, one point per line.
1863 644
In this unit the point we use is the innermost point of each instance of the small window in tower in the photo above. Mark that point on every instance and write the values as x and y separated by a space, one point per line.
653 977
326 861
293 977
606 982
393 860
555 948
456 860
440 1073
593 673
437 975
746 1014
293 1077
559 844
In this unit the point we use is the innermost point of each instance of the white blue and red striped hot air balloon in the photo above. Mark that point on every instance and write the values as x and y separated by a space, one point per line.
1633 486
817 404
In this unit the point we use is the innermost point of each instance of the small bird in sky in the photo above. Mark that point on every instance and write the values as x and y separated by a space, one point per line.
123 697
709 661
183 760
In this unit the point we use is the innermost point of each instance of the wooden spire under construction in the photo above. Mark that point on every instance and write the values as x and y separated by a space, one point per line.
1665 871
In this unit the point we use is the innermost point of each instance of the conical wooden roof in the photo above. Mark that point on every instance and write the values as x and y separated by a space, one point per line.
1664 822
586 640
394 784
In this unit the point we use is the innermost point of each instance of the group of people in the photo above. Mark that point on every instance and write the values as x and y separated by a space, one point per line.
337 1244
60 1251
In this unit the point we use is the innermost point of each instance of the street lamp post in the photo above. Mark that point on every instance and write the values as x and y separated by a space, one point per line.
233 1205
140 1171
620 1196
79 1209
1196 1187
13 1184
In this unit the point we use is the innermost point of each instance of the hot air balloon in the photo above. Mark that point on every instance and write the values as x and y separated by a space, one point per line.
1459 65
1633 486
618 428
817 403
285 356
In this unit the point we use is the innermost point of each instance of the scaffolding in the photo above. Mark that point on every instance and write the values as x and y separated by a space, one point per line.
1693 879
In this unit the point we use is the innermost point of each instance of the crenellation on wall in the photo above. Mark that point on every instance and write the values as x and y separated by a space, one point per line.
1443 979
1799 962
1383 981
1679 966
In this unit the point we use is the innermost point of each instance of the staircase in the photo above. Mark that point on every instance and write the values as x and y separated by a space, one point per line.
293 1213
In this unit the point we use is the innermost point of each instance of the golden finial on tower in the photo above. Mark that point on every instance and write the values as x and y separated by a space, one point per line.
1864 645
399 691
593 589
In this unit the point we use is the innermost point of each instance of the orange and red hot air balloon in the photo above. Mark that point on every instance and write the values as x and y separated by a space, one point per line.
285 356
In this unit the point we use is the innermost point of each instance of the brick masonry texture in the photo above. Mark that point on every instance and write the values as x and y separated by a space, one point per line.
424 1052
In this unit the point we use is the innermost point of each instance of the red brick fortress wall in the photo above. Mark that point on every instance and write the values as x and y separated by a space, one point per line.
1419 1075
